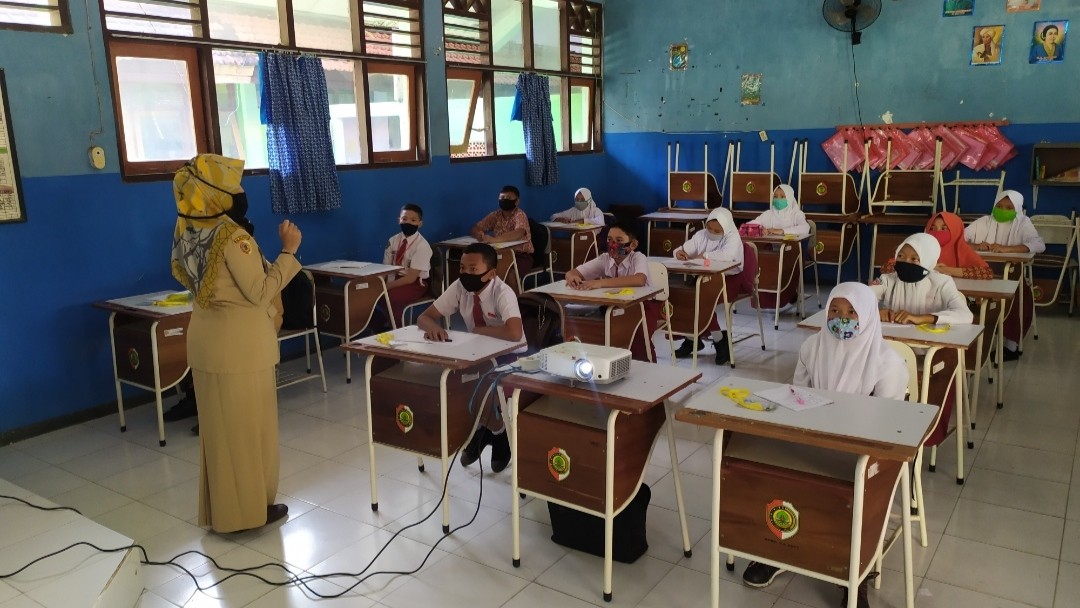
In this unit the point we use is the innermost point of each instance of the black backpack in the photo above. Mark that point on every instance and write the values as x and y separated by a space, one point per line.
541 320
298 303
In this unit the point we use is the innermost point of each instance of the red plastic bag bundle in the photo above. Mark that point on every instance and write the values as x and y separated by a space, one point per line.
952 147
878 149
903 152
999 148
974 157
834 149
923 139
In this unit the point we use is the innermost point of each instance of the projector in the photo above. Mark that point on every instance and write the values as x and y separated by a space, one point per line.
586 362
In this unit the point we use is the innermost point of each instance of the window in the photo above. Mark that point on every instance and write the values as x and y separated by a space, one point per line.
185 76
489 42
35 15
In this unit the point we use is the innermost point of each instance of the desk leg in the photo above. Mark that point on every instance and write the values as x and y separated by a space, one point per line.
609 501
728 324
905 518
976 376
959 406
714 533
116 373
1000 354
779 284
678 481
348 331
801 269
444 448
855 549
374 475
157 384
515 515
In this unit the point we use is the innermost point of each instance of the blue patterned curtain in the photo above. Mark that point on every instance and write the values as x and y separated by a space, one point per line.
295 109
534 111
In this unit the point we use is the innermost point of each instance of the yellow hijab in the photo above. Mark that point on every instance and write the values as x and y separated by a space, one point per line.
203 189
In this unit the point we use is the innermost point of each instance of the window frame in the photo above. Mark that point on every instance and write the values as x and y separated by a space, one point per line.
203 133
416 151
61 9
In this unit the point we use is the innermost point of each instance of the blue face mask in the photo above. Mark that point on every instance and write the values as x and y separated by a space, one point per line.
843 328
779 204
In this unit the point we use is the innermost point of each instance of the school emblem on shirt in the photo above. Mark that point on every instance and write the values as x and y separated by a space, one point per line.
404 418
133 358
558 463
245 246
782 519
821 189
686 186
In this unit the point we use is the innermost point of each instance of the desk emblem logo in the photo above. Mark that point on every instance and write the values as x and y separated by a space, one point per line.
133 358
820 247
667 246
1037 293
558 463
821 189
782 519
324 313
404 418
750 187
686 186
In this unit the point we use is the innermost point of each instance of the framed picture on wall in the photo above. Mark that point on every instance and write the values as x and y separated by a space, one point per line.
986 44
11 201
1048 42
958 8
1022 6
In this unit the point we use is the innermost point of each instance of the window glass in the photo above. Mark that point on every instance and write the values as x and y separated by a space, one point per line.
155 95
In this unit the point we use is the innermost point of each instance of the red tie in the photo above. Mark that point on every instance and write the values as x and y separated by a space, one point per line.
399 257
477 312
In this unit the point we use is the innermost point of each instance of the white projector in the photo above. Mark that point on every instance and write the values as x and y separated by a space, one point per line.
586 362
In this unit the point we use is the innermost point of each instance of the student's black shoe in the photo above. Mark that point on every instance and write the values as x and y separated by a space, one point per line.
276 512
1011 355
185 408
723 353
686 349
760 575
500 451
863 601
471 452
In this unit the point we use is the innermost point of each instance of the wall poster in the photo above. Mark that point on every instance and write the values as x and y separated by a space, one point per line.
11 203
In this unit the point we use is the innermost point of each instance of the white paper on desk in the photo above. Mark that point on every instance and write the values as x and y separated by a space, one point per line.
784 396
413 336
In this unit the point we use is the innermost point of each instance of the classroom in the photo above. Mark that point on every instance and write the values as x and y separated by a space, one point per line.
577 303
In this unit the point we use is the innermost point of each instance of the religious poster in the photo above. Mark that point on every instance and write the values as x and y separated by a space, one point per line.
1022 6
11 203
750 89
1048 42
958 8
986 45
679 57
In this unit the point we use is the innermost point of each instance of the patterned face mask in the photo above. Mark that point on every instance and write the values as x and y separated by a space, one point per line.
618 250
843 328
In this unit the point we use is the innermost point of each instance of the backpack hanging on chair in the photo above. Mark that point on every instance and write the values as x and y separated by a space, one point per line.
541 320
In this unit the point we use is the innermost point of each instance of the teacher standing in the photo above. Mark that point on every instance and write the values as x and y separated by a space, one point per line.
232 343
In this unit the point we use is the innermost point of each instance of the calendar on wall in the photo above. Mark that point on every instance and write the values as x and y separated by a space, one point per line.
11 202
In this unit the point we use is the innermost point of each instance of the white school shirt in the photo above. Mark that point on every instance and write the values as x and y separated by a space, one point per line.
1020 231
498 302
934 295
728 249
417 253
591 215
603 267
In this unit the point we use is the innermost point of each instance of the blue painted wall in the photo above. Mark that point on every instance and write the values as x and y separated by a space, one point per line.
91 236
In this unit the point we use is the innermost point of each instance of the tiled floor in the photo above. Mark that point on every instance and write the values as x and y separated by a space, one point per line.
1009 537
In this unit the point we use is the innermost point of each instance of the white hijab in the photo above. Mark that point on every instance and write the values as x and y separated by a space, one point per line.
914 297
723 216
989 230
782 219
587 195
858 364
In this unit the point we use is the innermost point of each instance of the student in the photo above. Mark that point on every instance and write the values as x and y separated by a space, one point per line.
410 250
720 244
1008 230
489 307
784 215
848 355
957 259
915 293
621 266
509 223
584 210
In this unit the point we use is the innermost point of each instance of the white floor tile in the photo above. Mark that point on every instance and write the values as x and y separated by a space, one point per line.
1040 464
369 562
1004 573
538 596
1004 527
691 589
452 583
582 576
1015 491
934 594
1068 587
310 538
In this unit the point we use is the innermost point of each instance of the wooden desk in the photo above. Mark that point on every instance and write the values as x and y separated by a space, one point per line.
681 225
999 292
959 338
692 310
418 395
883 434
605 434
623 314
777 268
149 347
346 294
578 246
1024 261
507 267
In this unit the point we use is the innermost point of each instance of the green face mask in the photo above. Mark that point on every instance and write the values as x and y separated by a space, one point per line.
779 204
1003 215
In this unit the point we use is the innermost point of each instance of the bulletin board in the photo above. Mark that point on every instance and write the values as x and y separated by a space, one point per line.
11 201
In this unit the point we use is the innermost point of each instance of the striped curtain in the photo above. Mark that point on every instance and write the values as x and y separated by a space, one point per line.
296 111
541 162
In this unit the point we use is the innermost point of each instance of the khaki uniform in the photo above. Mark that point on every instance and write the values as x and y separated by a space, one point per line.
232 349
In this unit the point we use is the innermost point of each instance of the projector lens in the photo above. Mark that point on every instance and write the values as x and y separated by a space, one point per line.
584 369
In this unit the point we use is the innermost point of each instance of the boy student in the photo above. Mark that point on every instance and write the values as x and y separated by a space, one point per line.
509 223
621 266
410 250
489 307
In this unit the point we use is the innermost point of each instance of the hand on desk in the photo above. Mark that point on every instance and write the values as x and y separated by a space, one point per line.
775 232
981 246
905 317
437 335
584 285
950 271
562 220
681 255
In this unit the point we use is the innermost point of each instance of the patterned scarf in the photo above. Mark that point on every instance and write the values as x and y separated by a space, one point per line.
203 189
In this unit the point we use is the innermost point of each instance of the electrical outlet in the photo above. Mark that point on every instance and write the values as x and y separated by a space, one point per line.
97 157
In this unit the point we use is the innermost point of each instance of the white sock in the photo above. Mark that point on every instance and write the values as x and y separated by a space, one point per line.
498 432
1011 344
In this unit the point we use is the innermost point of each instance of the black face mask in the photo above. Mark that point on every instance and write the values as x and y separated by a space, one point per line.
472 283
910 273
506 204
239 209
408 229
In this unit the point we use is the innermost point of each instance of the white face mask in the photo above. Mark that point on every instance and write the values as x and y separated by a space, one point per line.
713 237
581 205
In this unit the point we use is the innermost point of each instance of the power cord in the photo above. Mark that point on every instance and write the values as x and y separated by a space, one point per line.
293 578
855 75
